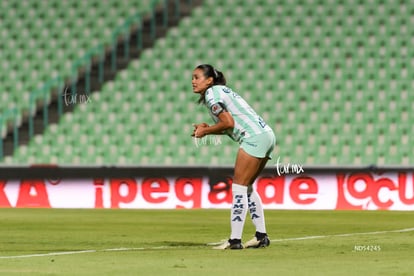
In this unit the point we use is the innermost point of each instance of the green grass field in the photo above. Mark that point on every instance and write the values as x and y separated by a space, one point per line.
174 242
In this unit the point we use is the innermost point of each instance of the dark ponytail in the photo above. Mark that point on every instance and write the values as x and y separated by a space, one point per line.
210 71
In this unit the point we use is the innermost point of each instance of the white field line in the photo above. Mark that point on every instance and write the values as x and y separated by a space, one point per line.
82 252
344 235
48 254
215 243
328 236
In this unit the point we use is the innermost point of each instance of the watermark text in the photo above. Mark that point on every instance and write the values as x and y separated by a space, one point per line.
366 248
207 140
288 168
74 98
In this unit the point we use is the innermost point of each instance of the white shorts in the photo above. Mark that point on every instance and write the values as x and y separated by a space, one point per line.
260 145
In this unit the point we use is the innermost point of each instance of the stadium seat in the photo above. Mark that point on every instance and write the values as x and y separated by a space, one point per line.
320 74
43 39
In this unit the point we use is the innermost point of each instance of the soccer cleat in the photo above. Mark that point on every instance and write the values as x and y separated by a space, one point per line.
259 240
230 244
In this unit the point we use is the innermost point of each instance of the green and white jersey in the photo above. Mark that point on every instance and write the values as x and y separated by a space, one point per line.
247 123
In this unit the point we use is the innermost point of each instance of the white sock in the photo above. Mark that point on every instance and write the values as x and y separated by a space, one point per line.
238 210
256 211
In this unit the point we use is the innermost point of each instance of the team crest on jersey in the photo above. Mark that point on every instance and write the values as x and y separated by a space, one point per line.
216 109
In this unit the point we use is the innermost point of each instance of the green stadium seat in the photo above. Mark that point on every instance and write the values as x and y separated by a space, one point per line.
43 39
317 72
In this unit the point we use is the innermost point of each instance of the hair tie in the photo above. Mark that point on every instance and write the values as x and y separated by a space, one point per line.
215 73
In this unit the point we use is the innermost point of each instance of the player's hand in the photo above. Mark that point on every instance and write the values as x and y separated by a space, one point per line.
196 126
200 131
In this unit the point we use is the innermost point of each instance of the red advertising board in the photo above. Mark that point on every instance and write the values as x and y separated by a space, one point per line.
329 191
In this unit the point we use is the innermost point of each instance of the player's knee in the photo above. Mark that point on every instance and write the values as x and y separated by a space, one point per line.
241 180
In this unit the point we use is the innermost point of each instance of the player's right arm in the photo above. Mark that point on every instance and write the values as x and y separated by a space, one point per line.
225 122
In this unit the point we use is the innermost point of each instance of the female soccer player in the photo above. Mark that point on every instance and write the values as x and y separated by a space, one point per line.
234 117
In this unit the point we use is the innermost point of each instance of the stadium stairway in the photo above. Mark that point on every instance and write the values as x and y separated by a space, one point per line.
147 41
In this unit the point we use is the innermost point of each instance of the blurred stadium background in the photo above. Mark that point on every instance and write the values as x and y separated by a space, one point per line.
335 79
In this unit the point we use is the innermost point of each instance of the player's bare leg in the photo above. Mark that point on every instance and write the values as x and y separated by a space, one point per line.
245 170
257 213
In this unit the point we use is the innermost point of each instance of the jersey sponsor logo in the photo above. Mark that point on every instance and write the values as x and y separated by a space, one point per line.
229 91
226 90
251 144
262 122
